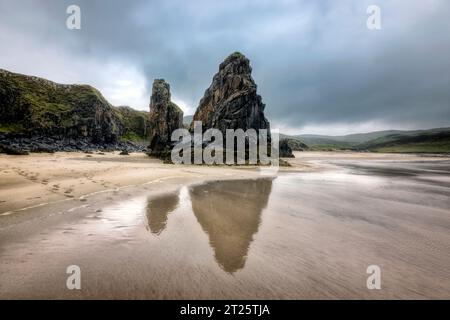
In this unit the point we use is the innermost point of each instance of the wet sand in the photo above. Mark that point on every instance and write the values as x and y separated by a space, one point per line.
65 179
228 233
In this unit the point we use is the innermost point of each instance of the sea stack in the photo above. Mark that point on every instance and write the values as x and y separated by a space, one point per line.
231 101
285 150
165 117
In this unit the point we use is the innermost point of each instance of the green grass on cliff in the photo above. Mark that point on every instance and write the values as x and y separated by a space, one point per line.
31 102
135 123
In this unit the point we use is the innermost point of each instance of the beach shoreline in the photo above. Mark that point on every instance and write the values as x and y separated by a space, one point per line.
141 229
37 181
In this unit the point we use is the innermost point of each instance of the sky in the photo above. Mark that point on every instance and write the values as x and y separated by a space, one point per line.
318 67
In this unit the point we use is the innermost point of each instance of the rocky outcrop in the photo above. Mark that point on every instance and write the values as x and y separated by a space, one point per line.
285 150
35 106
39 115
135 123
232 102
165 117
296 145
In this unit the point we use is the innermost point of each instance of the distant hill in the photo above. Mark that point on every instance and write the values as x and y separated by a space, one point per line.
135 123
432 140
347 139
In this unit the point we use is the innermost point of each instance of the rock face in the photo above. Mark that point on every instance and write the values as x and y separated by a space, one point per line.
39 115
285 150
35 106
231 102
165 117
135 123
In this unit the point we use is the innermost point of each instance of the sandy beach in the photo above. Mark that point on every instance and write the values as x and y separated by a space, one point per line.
47 179
139 228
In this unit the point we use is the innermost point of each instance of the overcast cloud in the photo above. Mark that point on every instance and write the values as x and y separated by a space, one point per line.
317 66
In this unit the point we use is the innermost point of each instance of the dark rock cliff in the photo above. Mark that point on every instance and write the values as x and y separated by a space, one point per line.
37 111
35 106
231 101
165 117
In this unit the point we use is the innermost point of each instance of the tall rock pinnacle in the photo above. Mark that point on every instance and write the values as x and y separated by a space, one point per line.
165 117
231 102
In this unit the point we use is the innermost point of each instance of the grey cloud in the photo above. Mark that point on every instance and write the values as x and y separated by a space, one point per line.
315 62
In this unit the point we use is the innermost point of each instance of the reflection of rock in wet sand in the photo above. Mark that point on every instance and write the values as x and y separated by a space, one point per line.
157 210
230 213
